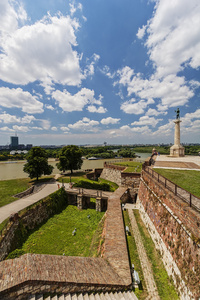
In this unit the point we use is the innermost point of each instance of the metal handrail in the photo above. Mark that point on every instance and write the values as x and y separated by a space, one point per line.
174 188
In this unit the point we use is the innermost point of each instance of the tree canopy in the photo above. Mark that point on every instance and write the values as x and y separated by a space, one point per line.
37 163
70 158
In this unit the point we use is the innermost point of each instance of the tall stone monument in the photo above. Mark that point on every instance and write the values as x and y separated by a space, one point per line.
177 150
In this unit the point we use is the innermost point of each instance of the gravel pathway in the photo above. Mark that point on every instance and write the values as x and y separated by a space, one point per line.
146 266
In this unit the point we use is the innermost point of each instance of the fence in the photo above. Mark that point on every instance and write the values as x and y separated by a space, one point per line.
186 196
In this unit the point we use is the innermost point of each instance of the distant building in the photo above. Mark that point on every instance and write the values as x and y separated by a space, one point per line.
14 140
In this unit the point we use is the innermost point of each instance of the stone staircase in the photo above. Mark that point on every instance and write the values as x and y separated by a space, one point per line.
107 296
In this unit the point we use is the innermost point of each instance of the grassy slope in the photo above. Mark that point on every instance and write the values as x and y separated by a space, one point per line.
187 179
55 236
8 188
141 293
132 166
165 287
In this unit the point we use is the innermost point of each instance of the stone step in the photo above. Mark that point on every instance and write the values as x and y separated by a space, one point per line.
102 296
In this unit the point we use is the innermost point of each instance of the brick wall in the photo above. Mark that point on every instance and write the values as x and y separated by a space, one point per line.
115 174
177 224
28 219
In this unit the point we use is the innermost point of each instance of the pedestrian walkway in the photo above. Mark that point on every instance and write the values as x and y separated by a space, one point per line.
146 266
14 207
187 162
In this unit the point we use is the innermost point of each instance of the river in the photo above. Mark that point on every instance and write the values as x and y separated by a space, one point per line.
14 169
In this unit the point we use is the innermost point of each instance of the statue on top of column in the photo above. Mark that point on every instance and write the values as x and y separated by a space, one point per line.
177 113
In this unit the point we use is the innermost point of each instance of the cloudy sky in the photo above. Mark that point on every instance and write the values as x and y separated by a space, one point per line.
95 71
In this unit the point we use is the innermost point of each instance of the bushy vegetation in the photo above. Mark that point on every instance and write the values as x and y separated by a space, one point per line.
148 149
92 185
80 180
187 179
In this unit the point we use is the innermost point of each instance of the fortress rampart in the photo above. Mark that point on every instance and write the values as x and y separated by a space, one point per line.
175 228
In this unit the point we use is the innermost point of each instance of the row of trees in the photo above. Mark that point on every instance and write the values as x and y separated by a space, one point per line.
37 161
70 158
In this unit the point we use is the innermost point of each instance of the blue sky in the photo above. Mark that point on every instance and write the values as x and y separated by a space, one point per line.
95 71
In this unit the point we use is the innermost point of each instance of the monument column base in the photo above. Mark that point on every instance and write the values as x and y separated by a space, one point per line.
177 151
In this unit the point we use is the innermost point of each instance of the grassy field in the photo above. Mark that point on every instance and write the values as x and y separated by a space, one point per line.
55 236
187 179
165 286
132 166
8 188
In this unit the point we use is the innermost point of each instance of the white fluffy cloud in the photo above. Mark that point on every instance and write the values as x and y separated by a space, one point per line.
173 39
77 101
85 125
132 107
11 14
146 120
141 32
20 99
109 120
42 51
171 90
21 128
100 109
154 112
7 118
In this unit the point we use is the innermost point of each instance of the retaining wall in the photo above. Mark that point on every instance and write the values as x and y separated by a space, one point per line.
175 229
20 224
115 174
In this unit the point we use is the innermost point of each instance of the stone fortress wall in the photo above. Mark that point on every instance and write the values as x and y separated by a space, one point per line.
175 229
35 273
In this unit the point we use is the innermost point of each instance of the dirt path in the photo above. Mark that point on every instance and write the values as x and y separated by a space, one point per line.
146 266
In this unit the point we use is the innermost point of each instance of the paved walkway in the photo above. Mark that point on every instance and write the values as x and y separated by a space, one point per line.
187 162
146 266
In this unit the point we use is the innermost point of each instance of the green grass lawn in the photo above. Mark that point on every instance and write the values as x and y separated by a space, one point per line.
187 179
8 188
165 286
132 166
55 236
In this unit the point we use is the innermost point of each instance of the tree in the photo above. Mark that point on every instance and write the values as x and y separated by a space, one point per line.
37 163
126 152
70 158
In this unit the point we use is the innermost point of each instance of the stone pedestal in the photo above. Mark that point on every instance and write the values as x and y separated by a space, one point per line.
177 150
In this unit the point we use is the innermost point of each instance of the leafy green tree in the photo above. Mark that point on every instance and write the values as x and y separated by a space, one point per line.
70 158
126 152
37 163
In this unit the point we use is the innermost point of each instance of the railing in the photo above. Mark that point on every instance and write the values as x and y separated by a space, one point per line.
87 192
186 196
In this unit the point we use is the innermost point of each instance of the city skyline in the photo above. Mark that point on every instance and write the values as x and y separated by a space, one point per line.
75 72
